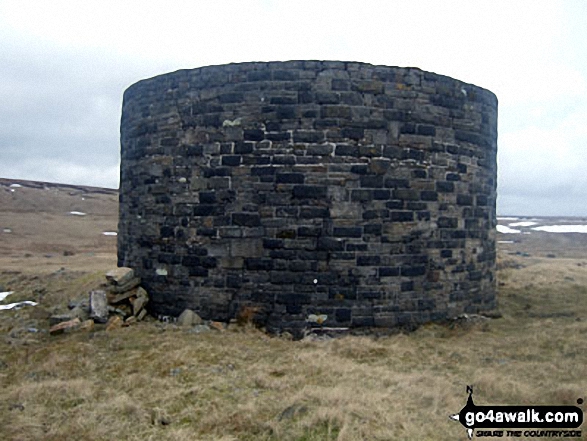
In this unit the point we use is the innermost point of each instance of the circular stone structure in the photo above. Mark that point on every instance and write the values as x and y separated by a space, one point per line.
310 191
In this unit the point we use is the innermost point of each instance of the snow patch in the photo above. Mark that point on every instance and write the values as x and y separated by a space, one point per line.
110 233
505 241
562 228
5 294
7 230
17 305
77 213
523 224
506 230
15 186
507 218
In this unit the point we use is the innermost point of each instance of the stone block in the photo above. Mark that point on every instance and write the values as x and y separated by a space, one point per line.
98 306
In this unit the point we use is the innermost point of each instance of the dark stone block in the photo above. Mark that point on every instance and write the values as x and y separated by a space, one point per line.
309 191
346 150
406 194
413 271
343 315
283 159
356 247
381 195
258 264
425 130
353 133
445 187
327 98
277 136
197 271
285 112
231 160
464 199
393 152
408 128
283 100
289 178
361 195
416 206
231 97
395 205
310 136
361 169
338 84
314 212
470 137
397 183
427 195
309 231
253 135
446 254
272 244
347 232
282 254
319 150
207 210
370 181
447 222
246 219
263 171
330 244
482 201
402 216
407 286
194 150
207 197
368 260
374 229
387 271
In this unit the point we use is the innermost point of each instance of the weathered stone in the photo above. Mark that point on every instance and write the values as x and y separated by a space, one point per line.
130 320
126 286
217 326
139 304
68 326
60 318
87 325
120 276
142 315
98 306
189 318
80 313
113 323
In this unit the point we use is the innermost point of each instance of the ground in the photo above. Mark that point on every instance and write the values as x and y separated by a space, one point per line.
161 382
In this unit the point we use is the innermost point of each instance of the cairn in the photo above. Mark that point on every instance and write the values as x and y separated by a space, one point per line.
122 302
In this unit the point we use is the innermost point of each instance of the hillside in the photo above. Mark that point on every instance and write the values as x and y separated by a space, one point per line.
46 225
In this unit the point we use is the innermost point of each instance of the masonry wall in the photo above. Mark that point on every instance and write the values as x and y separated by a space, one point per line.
365 193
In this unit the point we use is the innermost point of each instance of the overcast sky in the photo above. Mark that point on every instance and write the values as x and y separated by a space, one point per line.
65 64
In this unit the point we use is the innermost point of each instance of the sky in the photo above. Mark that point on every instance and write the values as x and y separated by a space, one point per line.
64 66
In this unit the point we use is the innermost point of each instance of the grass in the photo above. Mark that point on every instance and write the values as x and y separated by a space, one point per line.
157 381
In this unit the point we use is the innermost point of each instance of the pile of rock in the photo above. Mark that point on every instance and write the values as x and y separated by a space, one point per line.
122 302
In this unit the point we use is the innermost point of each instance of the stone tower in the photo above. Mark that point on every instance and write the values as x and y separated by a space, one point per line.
364 193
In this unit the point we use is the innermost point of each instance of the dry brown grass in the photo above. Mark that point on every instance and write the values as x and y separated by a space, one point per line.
241 384
155 381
